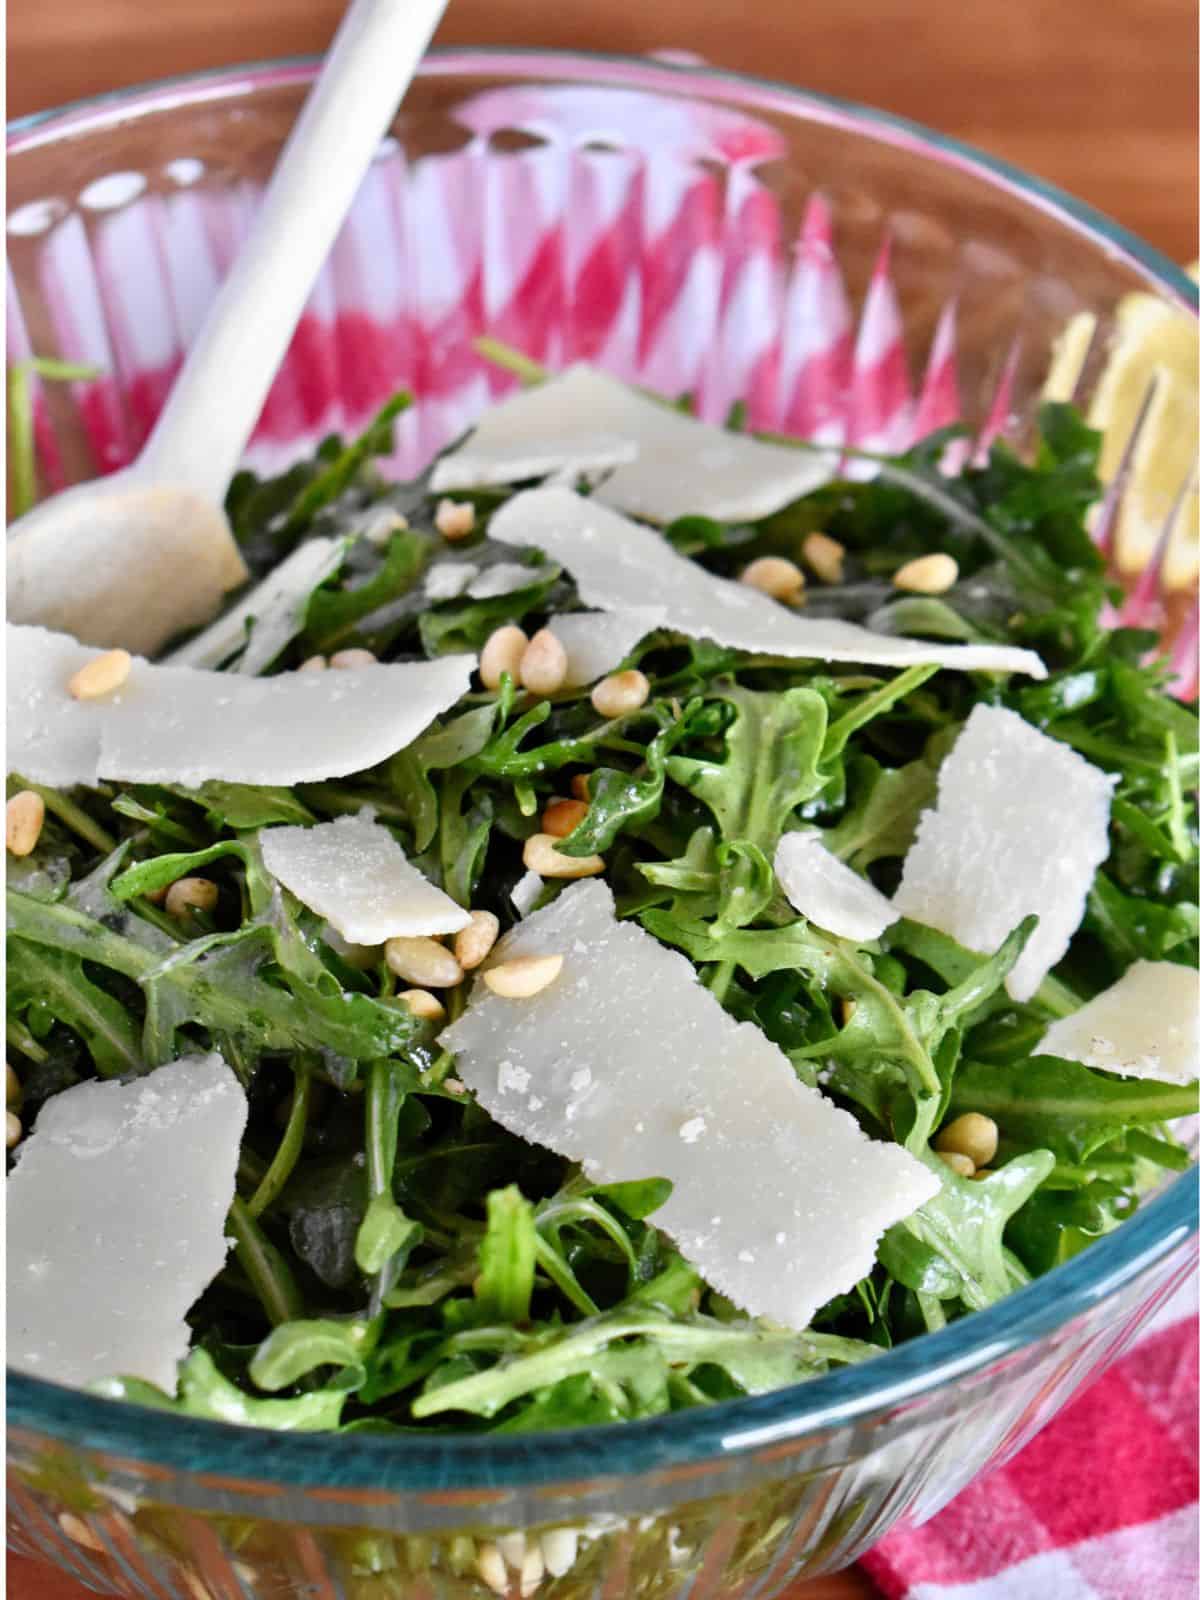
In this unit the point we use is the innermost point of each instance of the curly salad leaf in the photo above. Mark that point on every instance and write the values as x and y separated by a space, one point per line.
403 1262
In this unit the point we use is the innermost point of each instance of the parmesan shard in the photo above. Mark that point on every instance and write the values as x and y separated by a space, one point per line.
446 580
1146 1025
664 464
354 873
1020 826
181 725
269 617
622 566
598 641
52 737
829 893
132 580
628 1064
526 892
116 1221
503 577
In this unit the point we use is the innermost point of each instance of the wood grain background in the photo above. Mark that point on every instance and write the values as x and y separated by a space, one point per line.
1099 96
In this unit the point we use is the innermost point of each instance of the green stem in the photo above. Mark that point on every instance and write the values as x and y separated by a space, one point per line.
514 361
874 705
72 816
22 467
288 1153
19 1036
717 979
266 1269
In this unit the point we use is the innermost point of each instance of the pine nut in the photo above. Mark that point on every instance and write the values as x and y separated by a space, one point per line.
776 576
502 653
489 1564
533 1570
423 962
981 1172
454 519
562 817
23 819
540 856
12 1129
423 1004
544 664
472 943
341 660
559 1548
454 1085
523 976
825 556
972 1135
101 675
928 574
621 693
512 1547
313 664
191 894
579 786
12 1086
77 1530
959 1163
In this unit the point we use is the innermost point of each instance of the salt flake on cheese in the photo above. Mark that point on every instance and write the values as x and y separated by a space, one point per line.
1020 826
829 893
1146 1025
353 873
623 566
664 464
627 1064
116 1221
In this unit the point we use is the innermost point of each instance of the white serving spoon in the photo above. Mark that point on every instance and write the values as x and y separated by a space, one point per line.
132 558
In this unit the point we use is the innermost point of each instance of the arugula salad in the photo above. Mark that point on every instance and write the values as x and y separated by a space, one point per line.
634 918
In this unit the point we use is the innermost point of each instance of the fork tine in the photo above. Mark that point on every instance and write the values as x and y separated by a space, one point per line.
1143 607
1104 526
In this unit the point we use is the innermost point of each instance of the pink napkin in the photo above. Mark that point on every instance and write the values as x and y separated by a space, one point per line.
1101 1505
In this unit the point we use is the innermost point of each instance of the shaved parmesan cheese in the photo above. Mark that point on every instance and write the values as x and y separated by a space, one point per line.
269 617
446 580
1147 1025
116 1221
627 1064
180 725
829 893
353 873
1020 826
525 893
52 737
598 641
505 577
665 464
621 566
133 572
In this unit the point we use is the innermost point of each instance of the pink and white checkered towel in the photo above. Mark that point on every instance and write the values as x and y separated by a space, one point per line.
1101 1505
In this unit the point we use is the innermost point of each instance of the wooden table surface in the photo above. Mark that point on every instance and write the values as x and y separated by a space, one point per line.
1098 98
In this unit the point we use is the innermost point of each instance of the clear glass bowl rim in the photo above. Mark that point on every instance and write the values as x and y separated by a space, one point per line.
415 1464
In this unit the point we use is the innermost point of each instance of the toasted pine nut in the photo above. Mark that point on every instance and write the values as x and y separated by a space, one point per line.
489 1564
579 786
540 856
191 894
423 1004
959 1163
562 817
544 664
825 556
928 574
523 976
981 1172
454 1085
101 675
423 962
77 1530
12 1129
533 1570
972 1135
472 943
12 1086
23 819
559 1549
502 653
343 659
774 575
621 692
313 664
454 519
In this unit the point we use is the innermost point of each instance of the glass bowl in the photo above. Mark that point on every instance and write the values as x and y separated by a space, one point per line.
846 276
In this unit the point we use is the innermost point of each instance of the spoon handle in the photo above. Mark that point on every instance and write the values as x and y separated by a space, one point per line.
216 400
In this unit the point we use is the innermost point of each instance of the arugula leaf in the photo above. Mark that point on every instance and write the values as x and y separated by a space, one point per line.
507 1253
